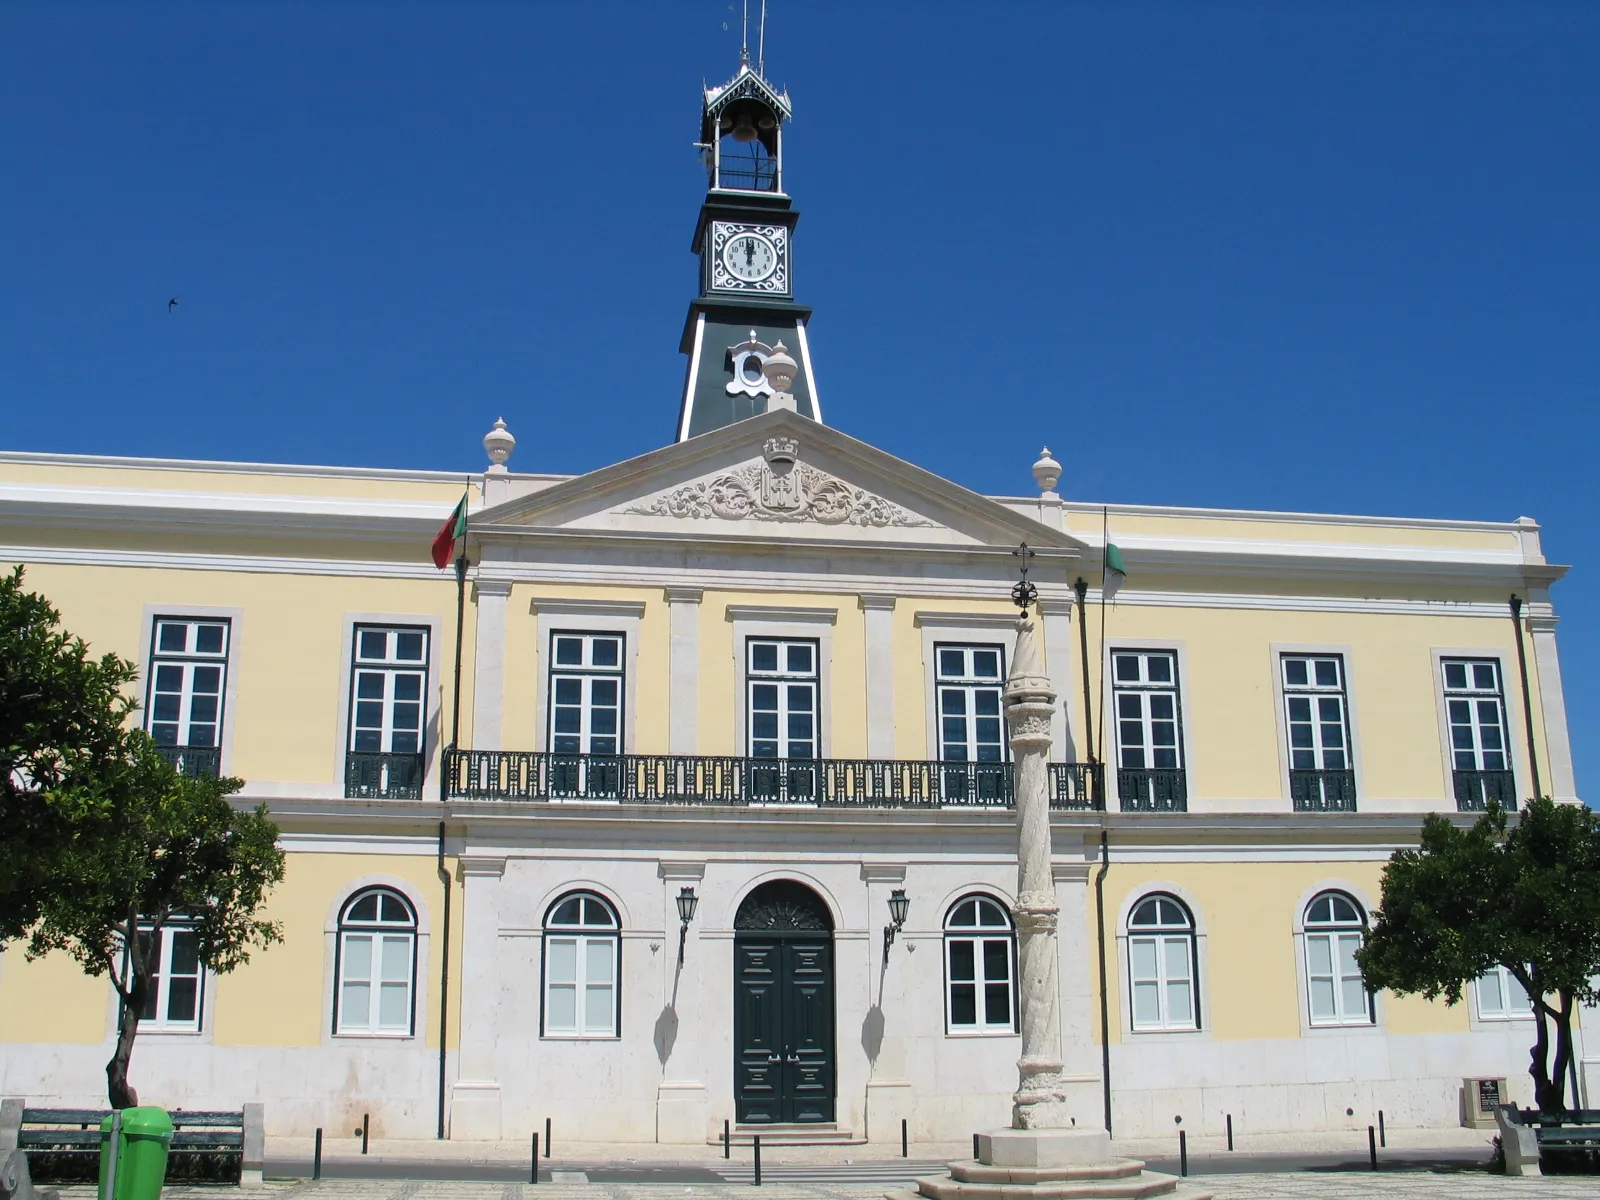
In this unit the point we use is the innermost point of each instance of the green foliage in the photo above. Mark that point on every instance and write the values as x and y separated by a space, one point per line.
62 723
1524 895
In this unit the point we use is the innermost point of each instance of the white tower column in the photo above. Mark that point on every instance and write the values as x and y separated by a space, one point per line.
475 1100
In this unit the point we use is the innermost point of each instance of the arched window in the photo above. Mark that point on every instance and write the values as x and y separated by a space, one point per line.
979 963
376 967
582 937
1335 991
1163 965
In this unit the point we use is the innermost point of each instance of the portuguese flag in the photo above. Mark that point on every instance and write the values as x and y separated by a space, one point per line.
450 536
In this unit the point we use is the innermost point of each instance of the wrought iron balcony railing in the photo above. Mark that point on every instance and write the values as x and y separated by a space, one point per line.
197 762
1474 790
373 776
1152 789
1323 791
693 779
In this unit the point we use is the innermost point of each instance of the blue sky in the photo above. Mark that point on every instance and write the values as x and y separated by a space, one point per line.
1312 256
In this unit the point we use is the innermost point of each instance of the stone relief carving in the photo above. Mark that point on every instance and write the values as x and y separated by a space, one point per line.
779 491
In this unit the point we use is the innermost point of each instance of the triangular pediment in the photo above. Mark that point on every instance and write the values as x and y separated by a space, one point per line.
778 477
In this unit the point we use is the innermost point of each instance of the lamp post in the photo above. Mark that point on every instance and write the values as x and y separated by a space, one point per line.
687 903
899 906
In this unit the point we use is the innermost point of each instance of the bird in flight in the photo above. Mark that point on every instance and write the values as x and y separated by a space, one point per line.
172 304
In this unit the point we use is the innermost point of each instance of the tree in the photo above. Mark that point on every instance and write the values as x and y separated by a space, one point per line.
1526 898
62 721
105 844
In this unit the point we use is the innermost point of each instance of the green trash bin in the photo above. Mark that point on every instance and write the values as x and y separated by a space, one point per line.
141 1154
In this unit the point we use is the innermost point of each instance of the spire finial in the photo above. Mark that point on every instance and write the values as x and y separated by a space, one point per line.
761 42
744 37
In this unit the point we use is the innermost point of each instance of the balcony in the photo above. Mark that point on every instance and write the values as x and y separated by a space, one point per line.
1152 790
1474 790
372 776
195 762
1323 791
539 776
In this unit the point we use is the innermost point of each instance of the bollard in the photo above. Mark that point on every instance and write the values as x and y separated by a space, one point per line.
725 1137
1383 1138
905 1149
316 1156
1372 1146
547 1137
533 1174
974 1147
1230 1131
757 1141
1183 1152
366 1127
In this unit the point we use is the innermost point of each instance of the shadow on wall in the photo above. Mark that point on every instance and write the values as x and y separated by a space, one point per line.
666 1033
872 1033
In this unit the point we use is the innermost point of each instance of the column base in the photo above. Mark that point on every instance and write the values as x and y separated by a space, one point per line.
888 1103
475 1110
681 1113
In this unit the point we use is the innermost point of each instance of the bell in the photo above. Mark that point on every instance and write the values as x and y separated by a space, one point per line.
744 129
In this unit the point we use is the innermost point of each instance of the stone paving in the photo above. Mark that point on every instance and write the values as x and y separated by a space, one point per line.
1304 1185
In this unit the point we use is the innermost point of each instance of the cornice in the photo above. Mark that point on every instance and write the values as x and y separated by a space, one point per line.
566 606
224 466
781 612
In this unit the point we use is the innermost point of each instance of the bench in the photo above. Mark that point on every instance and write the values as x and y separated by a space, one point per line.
1526 1132
70 1138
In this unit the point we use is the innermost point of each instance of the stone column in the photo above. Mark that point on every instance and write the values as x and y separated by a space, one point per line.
682 1104
489 663
1056 616
878 617
475 1099
683 671
1560 781
1030 708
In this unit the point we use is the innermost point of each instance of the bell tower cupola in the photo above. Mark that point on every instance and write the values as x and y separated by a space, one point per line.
745 312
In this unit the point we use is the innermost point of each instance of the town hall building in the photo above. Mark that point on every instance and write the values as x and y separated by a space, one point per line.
717 824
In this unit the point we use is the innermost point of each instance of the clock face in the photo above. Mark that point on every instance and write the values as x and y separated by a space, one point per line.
749 257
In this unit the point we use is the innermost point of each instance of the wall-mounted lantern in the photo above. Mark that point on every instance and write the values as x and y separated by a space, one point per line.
687 903
899 906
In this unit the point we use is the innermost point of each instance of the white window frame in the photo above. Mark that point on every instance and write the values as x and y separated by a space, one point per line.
230 678
1161 936
959 628
389 669
377 932
758 621
969 685
1342 1022
587 672
783 680
1276 652
163 976
1506 662
1505 981
434 735
978 936
330 957
1119 689
624 617
581 937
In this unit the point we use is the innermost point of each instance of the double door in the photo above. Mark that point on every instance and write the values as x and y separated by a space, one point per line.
783 1028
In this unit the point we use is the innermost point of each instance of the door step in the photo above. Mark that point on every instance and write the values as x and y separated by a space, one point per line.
817 1133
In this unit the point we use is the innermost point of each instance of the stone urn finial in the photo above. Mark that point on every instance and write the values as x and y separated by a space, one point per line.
780 369
498 444
1047 473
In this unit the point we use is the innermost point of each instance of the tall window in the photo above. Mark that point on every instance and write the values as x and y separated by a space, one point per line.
1336 925
177 982
582 938
1149 741
1476 709
188 676
586 693
1163 965
1501 997
1320 775
388 706
968 686
376 967
783 692
980 957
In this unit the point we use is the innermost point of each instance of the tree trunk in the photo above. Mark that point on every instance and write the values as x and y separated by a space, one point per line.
117 1089
136 985
1559 1068
1539 1065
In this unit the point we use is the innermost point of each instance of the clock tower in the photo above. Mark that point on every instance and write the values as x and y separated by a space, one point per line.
745 312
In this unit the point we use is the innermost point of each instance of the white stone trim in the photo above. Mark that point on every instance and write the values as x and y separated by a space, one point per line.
421 963
777 621
230 686
489 662
1059 658
433 731
878 619
1346 653
683 687
965 629
694 378
1553 707
1377 1027
588 616
797 873
805 360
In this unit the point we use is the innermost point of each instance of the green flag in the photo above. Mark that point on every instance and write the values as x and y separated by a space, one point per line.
1115 573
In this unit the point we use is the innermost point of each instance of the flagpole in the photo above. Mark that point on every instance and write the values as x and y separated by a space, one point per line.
1105 542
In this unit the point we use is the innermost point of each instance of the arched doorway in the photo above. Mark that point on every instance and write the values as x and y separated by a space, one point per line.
783 1054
